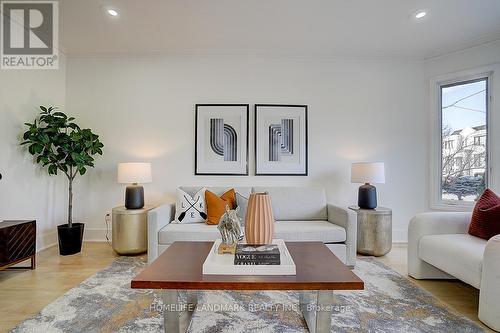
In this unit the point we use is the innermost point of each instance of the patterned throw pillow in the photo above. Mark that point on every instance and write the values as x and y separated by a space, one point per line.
216 206
190 209
485 222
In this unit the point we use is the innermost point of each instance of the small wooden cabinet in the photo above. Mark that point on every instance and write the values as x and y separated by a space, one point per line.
17 243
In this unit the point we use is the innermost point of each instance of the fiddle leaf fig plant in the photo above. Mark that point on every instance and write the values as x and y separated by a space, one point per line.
60 145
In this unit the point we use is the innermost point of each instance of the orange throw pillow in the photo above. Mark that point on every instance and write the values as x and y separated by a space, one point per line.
216 206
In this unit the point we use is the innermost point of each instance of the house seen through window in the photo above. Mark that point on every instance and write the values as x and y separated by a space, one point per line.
464 164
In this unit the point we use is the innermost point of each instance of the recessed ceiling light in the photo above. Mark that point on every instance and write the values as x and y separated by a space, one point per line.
420 14
112 12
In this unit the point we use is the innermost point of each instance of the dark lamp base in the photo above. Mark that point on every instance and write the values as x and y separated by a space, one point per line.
134 197
367 196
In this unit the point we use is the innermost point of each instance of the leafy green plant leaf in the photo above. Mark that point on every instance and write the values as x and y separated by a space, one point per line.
58 143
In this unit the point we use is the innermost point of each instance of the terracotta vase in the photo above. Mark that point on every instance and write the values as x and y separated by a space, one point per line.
259 221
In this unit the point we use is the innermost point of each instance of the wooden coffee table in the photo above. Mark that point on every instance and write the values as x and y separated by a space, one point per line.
319 273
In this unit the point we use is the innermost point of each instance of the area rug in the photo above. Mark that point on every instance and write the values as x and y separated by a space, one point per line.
105 303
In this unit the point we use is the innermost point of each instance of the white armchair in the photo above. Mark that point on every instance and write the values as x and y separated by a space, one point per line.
157 219
439 247
341 217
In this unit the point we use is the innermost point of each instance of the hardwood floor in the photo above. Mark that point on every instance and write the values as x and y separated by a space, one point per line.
24 293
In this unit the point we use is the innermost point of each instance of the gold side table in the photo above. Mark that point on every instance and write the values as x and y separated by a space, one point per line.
374 230
130 230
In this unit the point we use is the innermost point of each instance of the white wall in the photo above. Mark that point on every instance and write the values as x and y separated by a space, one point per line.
143 108
470 58
27 192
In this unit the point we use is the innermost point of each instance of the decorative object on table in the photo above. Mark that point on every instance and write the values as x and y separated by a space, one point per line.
259 225
17 243
221 139
374 230
281 140
190 209
135 174
225 264
485 221
249 254
230 230
367 174
130 230
216 206
61 145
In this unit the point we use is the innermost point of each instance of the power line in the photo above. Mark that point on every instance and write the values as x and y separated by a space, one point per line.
464 108
463 98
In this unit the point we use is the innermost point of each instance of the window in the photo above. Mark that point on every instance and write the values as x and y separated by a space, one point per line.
448 144
464 132
480 140
480 161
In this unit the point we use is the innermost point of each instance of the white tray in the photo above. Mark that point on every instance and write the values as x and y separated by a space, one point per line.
223 264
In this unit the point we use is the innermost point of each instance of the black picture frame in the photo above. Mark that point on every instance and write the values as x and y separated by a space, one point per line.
196 163
256 112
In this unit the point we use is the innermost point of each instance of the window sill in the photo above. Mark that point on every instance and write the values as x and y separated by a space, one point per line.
453 207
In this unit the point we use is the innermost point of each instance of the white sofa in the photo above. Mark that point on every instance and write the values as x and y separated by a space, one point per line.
439 247
301 214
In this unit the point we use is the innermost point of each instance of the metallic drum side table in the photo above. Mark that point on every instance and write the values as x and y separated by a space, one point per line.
374 230
130 230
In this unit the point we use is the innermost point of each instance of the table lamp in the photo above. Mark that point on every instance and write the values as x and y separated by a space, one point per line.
135 174
366 173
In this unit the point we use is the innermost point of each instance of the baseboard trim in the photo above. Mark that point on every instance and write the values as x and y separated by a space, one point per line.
96 235
46 240
49 238
400 236
45 247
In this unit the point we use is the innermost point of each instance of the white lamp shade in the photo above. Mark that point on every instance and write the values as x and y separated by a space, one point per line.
368 173
129 173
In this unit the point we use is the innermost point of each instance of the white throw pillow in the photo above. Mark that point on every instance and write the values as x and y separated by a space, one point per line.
242 203
190 209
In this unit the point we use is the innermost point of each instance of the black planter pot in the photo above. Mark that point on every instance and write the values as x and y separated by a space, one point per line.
70 239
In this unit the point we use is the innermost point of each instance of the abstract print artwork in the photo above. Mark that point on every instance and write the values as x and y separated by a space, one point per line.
280 139
221 139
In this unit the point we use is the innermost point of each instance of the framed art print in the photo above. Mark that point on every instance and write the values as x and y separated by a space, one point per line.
281 140
221 139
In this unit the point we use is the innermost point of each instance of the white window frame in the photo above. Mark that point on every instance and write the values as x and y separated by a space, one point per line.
436 201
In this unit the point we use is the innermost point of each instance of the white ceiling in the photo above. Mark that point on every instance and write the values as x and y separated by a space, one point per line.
281 27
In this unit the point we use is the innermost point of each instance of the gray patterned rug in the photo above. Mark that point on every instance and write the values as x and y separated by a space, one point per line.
105 303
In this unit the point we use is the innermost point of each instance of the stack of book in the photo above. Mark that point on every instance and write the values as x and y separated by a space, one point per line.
248 254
